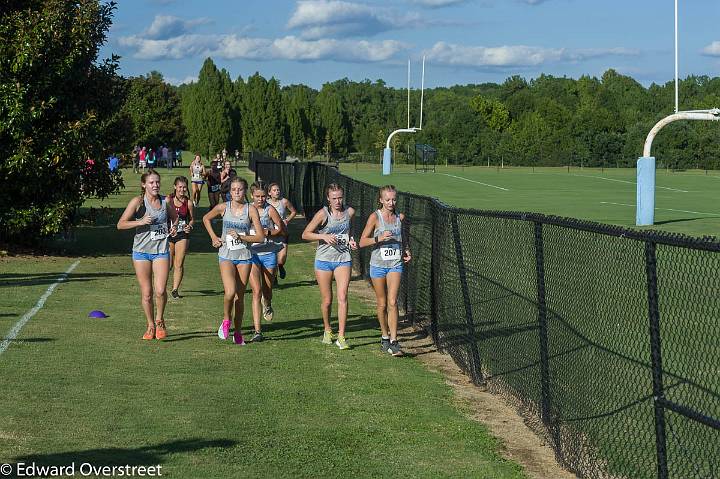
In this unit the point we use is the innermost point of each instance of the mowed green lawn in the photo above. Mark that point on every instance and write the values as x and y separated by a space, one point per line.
686 202
76 389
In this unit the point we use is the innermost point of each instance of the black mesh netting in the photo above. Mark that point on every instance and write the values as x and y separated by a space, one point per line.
607 340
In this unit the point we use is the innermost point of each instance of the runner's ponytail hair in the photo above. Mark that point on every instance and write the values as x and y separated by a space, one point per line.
383 189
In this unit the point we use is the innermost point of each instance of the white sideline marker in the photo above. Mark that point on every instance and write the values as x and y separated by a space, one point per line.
38 306
473 181
665 209
629 182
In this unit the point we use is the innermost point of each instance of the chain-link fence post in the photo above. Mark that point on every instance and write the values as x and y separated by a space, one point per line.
656 360
435 256
475 365
545 396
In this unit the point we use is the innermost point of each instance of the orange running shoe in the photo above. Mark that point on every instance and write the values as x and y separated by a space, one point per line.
149 334
160 331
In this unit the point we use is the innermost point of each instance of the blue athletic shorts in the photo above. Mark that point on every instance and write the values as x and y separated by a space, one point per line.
267 261
331 265
149 256
235 261
380 272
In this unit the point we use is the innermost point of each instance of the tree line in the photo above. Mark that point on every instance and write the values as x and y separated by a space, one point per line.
547 121
63 112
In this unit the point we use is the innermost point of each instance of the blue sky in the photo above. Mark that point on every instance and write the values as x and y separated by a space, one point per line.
465 41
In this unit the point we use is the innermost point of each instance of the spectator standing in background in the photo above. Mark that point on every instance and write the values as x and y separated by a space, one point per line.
142 158
113 162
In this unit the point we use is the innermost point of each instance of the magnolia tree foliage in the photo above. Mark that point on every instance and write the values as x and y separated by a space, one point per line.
58 113
153 110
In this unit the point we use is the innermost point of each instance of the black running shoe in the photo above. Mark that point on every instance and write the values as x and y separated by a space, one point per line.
385 345
175 294
395 349
258 337
281 270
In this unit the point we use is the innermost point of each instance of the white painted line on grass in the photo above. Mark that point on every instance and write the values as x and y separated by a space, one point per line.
664 209
473 181
629 182
41 302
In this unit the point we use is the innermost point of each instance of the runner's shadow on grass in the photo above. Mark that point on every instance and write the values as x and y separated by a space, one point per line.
22 280
312 328
31 340
294 284
200 292
140 456
192 335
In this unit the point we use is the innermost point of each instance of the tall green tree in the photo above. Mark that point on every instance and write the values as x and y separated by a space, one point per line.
207 111
153 107
58 109
334 122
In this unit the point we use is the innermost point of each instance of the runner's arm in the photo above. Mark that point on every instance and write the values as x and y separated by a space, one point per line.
366 238
219 210
293 211
126 221
259 235
309 233
275 217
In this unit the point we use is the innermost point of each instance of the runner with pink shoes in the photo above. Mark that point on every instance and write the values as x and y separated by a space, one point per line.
234 256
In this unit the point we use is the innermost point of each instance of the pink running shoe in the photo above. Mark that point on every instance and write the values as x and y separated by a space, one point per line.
224 329
238 338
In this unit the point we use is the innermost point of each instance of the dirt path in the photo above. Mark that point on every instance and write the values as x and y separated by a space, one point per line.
520 444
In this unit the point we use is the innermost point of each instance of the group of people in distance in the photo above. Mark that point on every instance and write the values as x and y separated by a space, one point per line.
217 177
252 246
144 157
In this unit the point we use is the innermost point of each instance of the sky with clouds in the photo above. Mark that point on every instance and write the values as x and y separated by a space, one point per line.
464 41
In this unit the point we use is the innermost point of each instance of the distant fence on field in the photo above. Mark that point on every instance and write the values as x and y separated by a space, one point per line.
606 339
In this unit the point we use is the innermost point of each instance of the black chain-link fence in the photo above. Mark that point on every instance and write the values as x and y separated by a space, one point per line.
607 340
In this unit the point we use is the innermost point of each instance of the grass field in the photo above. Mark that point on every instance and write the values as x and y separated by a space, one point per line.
599 371
79 390
686 202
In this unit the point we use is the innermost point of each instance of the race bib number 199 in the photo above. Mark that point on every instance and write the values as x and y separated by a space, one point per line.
234 244
158 232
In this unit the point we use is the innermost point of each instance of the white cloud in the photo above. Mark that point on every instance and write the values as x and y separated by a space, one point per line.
438 3
175 48
513 56
168 26
324 18
242 47
712 50
178 82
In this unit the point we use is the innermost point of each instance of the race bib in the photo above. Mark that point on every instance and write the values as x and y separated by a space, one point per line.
389 254
234 244
215 188
158 232
196 177
181 225
342 240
